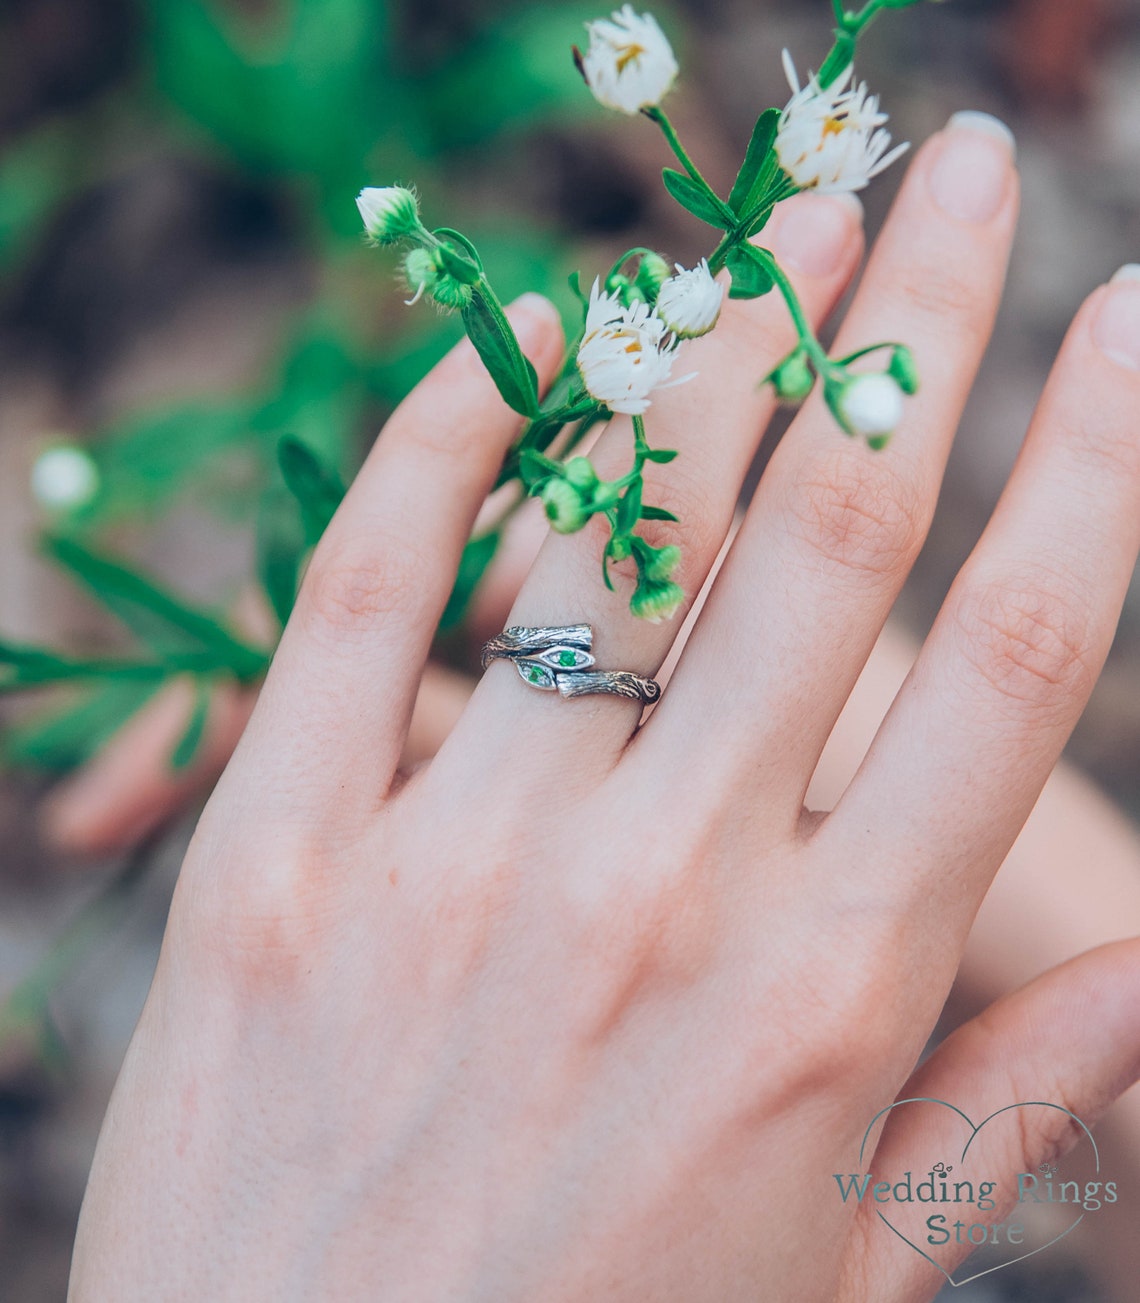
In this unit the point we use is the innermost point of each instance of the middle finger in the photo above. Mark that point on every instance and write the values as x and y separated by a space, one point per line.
835 527
715 422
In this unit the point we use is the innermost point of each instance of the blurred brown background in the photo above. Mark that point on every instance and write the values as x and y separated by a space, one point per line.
174 217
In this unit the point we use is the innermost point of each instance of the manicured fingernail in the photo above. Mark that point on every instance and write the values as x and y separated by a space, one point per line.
1117 325
532 316
815 231
970 178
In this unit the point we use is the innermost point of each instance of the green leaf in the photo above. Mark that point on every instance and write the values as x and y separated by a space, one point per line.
629 508
760 220
150 458
495 342
657 513
159 619
661 455
68 737
751 278
317 487
757 163
281 547
698 199
191 741
477 556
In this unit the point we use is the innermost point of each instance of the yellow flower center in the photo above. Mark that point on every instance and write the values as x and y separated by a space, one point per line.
627 54
833 127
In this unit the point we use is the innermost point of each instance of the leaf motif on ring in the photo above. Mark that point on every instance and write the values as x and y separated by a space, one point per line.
565 659
535 675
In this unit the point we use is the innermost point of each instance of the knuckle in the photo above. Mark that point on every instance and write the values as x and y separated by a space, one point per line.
857 514
261 926
939 294
1028 639
349 587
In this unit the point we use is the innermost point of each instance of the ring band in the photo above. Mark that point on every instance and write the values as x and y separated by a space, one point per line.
560 659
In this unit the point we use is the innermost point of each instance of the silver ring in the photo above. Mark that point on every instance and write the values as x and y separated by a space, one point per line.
561 659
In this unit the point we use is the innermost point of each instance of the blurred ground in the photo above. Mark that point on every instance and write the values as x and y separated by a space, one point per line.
177 279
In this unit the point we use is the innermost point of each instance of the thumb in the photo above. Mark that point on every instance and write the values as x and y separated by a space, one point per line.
1065 1046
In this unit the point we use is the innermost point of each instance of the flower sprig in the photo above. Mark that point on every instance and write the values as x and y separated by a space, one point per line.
829 137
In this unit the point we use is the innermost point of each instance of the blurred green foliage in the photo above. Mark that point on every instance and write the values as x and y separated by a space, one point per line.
312 99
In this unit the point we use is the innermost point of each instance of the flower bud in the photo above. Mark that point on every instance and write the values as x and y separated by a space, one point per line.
420 272
656 602
451 293
64 478
689 302
563 505
389 213
652 272
869 405
620 548
664 561
629 65
424 275
904 369
579 471
793 379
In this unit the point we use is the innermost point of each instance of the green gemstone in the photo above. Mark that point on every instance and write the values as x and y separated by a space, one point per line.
534 674
567 658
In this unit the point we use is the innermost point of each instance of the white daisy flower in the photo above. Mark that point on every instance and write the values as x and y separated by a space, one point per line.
832 140
625 353
64 478
689 303
870 405
629 65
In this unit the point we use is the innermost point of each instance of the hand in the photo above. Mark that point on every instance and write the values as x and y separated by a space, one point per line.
583 1010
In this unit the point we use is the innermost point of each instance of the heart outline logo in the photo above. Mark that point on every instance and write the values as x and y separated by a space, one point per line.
974 1130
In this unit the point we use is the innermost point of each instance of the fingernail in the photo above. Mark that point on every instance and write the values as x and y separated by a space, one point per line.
1117 325
814 232
532 316
970 179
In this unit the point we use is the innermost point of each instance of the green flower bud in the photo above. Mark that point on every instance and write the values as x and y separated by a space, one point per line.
390 213
793 379
652 272
451 293
904 369
580 472
656 602
420 272
563 506
622 288
620 548
663 562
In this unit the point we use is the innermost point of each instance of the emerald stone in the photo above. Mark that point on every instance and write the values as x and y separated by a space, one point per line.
567 658
534 674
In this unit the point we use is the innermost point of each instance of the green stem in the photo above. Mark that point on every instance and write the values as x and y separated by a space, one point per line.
808 340
658 115
640 443
629 253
